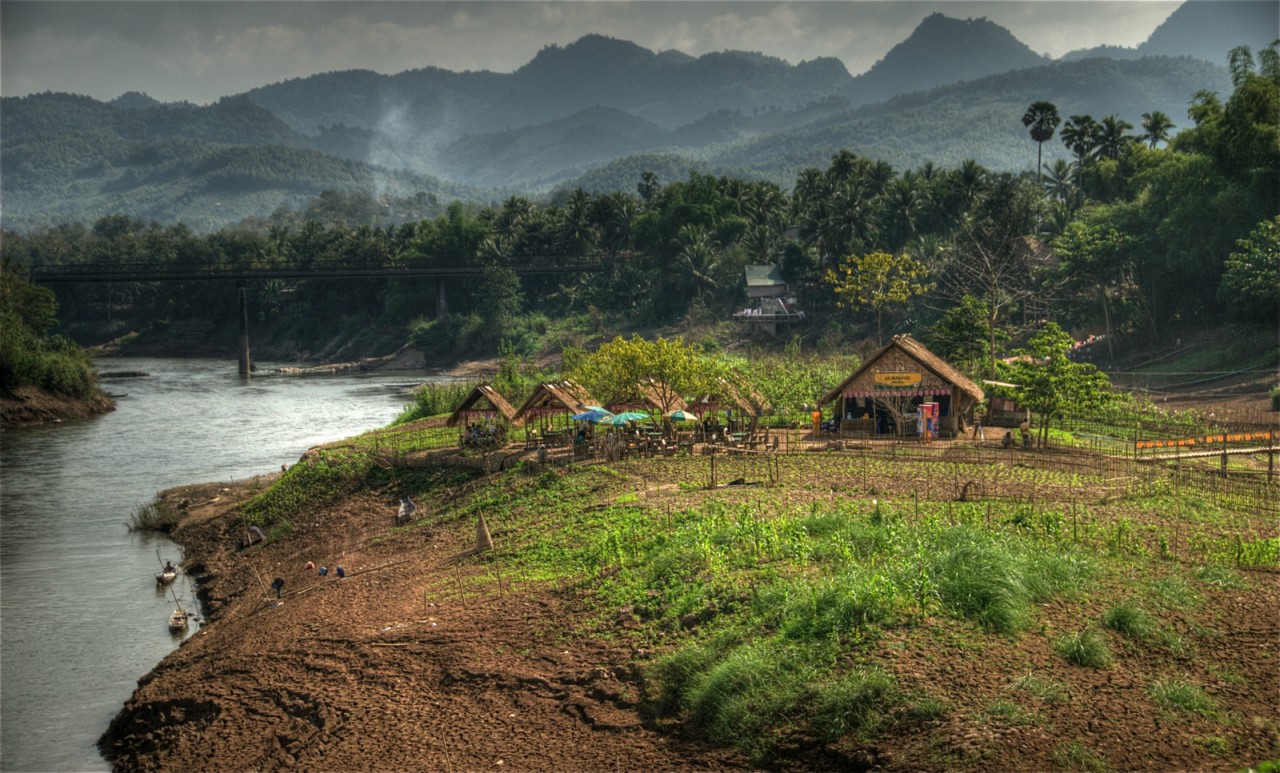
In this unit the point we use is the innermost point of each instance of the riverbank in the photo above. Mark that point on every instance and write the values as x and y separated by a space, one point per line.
31 405
540 653
418 659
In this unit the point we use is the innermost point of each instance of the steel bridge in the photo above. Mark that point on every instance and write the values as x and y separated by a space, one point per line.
189 271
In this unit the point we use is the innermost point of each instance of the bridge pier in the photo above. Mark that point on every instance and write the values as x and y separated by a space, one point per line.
246 367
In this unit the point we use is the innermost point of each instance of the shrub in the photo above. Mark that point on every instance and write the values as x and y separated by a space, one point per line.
1084 648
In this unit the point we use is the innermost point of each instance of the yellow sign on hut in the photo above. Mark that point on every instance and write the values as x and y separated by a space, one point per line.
897 378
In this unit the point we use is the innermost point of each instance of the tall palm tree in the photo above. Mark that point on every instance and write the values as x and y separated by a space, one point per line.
1113 142
1155 128
1080 135
1042 119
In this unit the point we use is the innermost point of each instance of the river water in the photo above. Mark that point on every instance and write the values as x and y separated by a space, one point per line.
80 616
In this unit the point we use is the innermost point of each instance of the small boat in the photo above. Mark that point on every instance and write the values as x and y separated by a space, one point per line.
168 572
178 619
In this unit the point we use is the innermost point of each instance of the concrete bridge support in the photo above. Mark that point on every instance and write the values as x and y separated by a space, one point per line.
246 367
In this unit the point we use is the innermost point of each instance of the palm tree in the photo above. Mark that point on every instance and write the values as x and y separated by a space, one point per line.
1060 181
1042 119
1113 142
699 256
1080 135
1155 128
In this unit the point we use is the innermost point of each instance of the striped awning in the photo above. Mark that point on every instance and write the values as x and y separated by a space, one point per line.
900 392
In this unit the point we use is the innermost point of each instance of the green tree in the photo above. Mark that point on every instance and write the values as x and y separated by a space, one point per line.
1042 119
1250 286
623 367
1049 383
877 280
961 335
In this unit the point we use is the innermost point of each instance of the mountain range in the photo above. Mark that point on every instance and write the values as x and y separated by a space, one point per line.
596 113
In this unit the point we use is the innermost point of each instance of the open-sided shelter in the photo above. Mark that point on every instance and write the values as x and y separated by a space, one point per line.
883 393
726 395
552 400
483 402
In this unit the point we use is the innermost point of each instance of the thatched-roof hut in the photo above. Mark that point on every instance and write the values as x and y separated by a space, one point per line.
554 398
885 391
482 402
728 395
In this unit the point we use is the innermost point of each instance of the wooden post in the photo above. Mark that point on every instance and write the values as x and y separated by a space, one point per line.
245 365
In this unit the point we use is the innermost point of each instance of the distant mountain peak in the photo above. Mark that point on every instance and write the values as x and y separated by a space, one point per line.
943 50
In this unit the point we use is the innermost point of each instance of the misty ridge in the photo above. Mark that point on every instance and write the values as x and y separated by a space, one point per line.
595 114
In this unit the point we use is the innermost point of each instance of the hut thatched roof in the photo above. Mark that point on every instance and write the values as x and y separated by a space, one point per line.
478 396
727 394
916 351
555 397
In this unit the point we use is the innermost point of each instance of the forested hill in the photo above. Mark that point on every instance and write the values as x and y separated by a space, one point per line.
954 90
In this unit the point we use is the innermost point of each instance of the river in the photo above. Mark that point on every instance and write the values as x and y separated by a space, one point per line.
80 616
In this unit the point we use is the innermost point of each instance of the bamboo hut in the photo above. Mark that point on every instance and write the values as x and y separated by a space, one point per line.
882 395
746 402
546 413
484 403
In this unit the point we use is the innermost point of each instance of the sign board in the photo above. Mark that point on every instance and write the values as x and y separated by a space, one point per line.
897 378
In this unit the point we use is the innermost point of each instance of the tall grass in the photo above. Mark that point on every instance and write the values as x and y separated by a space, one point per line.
156 515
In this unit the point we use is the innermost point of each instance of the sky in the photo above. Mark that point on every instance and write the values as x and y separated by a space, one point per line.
201 50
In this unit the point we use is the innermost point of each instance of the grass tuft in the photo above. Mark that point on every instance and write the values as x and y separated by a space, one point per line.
1075 756
1084 648
1129 619
1183 696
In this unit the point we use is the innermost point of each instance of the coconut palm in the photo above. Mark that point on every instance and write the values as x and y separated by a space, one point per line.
1042 119
1113 141
1155 128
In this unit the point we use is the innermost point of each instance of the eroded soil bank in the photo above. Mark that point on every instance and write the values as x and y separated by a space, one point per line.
31 405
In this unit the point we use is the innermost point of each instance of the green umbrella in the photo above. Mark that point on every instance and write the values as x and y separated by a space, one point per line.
679 415
623 419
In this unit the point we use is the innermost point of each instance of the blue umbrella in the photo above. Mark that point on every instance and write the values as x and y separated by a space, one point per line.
593 414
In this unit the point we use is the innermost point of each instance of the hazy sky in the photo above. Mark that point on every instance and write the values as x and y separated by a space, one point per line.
200 50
